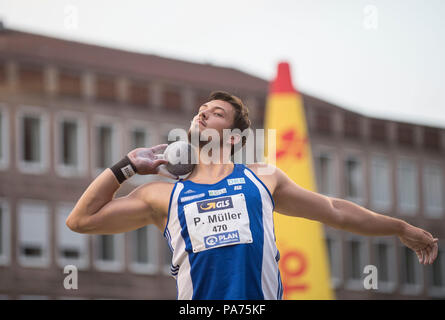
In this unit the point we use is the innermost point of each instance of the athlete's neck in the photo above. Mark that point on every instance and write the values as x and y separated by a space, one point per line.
209 173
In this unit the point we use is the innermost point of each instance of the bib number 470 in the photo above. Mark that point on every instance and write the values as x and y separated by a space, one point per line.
219 228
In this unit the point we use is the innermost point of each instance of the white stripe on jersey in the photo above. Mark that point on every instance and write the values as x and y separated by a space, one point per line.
180 258
269 270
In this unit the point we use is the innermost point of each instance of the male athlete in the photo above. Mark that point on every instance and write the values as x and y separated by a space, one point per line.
219 220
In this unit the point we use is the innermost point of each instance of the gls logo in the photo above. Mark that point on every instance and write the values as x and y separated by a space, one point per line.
214 204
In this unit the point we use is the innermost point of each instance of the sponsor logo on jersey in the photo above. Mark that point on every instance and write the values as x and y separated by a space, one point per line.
235 181
195 196
221 239
214 204
217 192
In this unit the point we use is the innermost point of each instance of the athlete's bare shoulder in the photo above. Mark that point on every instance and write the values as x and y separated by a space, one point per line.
266 173
157 190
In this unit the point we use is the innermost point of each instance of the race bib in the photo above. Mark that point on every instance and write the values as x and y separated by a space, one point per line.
218 222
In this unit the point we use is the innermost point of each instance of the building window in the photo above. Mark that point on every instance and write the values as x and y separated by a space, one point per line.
323 122
3 72
353 179
433 190
405 134
357 254
5 229
33 239
72 247
107 144
109 252
431 139
172 99
378 130
31 139
31 78
144 250
138 93
106 88
352 126
384 256
69 132
71 151
381 190
32 135
437 275
139 138
333 247
355 270
411 272
70 83
407 187
4 137
325 173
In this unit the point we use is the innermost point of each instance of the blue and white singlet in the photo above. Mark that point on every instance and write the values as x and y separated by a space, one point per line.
222 239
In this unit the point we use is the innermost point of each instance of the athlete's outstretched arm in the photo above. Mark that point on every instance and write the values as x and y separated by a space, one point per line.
293 200
97 212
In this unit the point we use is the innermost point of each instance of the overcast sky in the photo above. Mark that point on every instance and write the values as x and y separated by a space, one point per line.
382 58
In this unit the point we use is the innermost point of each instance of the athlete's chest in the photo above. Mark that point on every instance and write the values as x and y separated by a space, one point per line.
221 215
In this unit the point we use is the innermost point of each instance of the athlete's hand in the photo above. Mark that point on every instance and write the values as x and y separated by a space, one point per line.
421 242
150 161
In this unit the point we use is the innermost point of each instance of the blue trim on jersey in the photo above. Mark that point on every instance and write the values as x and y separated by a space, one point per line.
280 287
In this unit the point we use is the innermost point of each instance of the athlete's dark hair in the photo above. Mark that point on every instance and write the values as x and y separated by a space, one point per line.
241 119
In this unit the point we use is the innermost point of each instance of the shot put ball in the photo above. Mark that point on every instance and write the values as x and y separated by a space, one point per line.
179 155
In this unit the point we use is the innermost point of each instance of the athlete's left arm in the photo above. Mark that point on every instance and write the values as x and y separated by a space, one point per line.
292 200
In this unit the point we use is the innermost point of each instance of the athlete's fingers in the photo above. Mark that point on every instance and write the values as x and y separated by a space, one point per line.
422 256
160 148
428 250
427 256
432 253
419 255
435 251
159 162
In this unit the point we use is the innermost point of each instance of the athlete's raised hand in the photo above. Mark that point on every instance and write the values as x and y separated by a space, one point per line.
421 242
150 160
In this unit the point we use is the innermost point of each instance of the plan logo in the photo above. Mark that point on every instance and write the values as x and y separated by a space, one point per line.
214 204
221 239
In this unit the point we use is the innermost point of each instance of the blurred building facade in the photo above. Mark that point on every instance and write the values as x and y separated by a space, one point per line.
69 110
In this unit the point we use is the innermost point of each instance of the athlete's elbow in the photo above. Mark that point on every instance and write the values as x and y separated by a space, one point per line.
337 219
74 224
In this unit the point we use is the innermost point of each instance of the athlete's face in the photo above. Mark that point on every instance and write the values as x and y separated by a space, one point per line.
215 114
